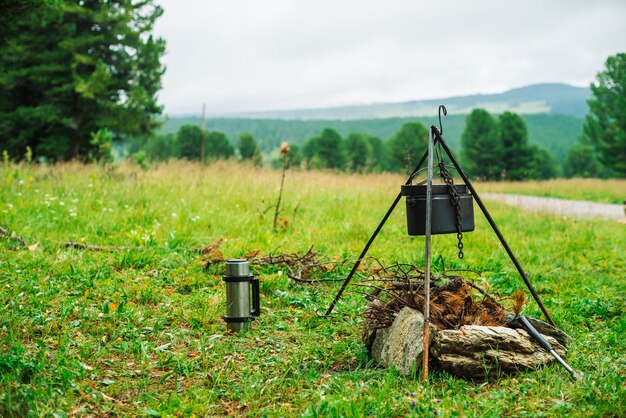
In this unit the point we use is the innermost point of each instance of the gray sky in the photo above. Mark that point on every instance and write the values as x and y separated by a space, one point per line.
248 55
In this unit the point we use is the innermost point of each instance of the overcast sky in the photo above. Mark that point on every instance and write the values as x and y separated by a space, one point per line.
250 55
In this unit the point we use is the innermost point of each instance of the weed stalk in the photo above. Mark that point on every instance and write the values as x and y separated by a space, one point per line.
284 150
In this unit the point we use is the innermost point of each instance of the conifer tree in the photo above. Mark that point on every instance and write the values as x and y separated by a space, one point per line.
249 149
189 139
325 151
581 162
517 154
407 146
481 148
72 68
359 152
218 146
605 124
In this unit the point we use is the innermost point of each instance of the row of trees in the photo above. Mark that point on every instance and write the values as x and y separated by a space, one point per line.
357 152
490 151
191 143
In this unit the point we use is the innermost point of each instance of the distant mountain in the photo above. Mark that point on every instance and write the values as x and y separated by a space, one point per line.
552 98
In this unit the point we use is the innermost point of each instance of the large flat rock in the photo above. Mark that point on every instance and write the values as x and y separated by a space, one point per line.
477 351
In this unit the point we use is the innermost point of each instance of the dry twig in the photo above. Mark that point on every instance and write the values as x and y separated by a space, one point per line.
11 236
83 246
452 302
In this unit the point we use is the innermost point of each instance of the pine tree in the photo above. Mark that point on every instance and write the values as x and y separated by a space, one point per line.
581 161
325 151
189 139
605 125
481 148
517 155
544 166
407 146
249 149
71 69
218 146
359 152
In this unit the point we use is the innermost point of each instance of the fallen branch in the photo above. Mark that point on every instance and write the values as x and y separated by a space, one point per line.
83 246
11 236
301 280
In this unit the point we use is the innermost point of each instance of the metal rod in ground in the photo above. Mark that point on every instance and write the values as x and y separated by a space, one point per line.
545 344
427 233
373 237
495 228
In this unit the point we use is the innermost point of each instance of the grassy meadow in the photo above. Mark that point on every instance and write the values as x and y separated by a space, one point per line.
139 331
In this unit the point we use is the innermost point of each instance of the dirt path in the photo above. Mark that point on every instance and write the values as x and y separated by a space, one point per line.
578 208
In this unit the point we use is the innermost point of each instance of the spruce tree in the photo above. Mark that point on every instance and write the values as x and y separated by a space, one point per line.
407 146
249 149
218 146
517 154
481 148
325 151
359 152
605 124
70 69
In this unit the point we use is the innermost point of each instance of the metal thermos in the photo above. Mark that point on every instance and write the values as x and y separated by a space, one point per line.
240 286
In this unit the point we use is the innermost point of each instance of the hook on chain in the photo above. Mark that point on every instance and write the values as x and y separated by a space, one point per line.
445 113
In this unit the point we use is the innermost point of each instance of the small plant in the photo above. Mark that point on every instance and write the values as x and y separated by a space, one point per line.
5 158
519 299
284 151
141 159
102 140
28 155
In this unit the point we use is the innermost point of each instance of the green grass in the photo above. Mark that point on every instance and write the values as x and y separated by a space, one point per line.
602 191
139 332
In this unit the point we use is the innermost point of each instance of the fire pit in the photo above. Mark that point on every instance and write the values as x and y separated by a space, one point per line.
471 334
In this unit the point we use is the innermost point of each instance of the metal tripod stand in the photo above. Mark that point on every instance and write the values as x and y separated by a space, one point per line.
436 138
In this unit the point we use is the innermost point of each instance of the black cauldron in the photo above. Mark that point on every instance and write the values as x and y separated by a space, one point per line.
443 215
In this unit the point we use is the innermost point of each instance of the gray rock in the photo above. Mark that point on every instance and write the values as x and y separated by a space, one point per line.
477 351
400 345
543 327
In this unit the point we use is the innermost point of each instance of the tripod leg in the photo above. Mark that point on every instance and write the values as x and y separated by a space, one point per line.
373 237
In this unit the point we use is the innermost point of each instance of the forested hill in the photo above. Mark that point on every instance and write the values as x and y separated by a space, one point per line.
553 113
555 98
557 133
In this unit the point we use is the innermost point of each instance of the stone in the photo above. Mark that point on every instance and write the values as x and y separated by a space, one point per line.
476 351
543 328
400 345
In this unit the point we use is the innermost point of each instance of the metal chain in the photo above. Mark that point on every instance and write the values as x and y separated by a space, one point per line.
456 202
